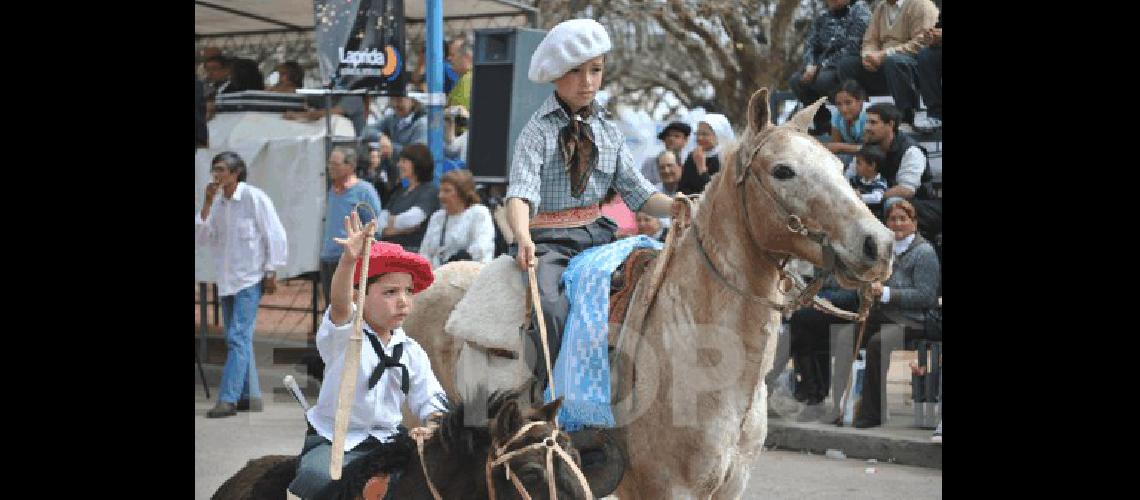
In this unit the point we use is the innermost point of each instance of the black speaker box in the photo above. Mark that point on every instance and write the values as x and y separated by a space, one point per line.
502 99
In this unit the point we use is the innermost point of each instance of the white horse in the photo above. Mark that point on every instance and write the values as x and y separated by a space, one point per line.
691 408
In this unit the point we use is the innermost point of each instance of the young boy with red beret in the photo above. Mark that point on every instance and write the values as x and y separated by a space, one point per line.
393 371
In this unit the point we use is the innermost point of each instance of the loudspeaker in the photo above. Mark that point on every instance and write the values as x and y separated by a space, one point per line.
502 99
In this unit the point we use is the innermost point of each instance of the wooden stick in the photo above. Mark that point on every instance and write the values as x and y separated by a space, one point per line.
534 297
351 367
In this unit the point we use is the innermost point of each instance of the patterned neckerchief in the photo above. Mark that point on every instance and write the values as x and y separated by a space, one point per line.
576 142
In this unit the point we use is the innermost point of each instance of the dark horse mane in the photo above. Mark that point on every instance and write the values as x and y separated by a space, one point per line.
461 443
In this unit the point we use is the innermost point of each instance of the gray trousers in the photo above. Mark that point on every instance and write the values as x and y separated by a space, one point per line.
553 248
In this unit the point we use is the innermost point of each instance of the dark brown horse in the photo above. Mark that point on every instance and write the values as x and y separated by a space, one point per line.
457 458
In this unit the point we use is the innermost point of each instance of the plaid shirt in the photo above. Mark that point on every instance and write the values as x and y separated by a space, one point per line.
539 175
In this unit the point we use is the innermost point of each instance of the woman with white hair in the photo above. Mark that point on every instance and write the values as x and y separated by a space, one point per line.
567 157
713 130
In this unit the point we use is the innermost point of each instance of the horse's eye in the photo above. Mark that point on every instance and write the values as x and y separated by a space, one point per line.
783 172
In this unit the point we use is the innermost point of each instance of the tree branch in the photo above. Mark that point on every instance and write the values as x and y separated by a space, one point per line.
730 69
695 48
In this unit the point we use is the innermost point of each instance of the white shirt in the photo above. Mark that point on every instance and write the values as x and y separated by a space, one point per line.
473 231
375 412
245 237
910 168
411 217
899 246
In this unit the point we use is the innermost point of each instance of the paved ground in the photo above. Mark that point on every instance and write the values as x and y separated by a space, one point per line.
793 475
222 446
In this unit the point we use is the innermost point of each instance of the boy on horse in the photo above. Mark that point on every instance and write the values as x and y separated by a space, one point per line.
394 371
566 158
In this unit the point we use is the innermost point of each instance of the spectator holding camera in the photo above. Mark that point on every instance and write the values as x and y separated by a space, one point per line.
408 125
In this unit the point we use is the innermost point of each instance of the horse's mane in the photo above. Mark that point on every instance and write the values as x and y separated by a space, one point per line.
455 437
463 443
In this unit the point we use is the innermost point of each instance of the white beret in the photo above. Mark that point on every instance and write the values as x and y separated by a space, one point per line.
566 46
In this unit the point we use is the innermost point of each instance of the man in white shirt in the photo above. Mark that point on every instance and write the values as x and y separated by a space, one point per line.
247 240
394 369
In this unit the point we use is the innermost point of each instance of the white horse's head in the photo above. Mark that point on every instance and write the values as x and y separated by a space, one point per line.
787 176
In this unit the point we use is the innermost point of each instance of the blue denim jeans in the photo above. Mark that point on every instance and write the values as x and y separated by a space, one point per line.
239 376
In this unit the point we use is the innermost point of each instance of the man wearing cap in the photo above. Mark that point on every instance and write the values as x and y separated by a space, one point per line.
394 369
675 136
566 158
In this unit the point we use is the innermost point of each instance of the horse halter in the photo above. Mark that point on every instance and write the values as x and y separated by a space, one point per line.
550 444
806 293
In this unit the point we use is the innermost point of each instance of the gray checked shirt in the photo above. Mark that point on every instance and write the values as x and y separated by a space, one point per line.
539 175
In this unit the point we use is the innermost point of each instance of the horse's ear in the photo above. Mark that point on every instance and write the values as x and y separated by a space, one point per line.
802 119
506 421
759 115
549 411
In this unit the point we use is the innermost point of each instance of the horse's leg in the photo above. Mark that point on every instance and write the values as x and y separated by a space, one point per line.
734 481
651 485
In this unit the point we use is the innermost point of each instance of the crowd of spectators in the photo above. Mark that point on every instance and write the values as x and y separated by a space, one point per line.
899 54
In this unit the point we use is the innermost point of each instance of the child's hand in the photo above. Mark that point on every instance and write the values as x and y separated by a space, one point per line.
354 243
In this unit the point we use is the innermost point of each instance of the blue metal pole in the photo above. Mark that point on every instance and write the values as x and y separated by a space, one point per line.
436 97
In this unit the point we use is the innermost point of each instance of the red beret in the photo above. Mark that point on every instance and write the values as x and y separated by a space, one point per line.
392 258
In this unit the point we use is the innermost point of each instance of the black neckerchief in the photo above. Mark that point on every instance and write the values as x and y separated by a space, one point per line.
579 151
386 362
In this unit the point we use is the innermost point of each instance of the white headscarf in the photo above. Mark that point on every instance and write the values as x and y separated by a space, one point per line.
720 126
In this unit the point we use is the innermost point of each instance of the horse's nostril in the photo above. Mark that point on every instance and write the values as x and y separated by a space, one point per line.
870 250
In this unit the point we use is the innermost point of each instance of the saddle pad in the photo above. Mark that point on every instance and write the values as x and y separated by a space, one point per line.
493 309
628 274
582 370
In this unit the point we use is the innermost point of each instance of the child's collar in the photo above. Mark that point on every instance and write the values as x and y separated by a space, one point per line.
397 335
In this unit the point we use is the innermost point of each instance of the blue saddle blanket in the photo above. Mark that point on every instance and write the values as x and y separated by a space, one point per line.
582 370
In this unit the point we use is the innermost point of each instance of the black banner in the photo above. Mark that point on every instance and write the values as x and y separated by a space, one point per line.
360 45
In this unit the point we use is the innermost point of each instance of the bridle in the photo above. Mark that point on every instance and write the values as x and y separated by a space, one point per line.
806 294
500 456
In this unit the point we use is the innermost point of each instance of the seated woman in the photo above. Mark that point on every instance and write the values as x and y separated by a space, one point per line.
704 160
847 124
463 228
408 210
903 300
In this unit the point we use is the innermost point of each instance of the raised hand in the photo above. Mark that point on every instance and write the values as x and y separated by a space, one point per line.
356 233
